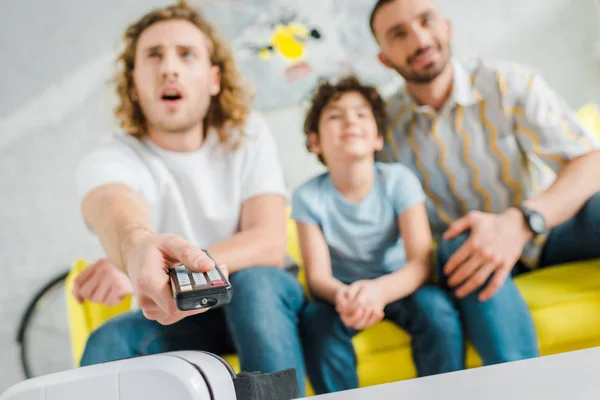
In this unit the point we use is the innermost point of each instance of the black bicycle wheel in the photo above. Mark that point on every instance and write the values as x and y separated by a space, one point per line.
50 300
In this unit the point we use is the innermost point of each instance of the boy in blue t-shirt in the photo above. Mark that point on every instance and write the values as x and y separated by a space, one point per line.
366 242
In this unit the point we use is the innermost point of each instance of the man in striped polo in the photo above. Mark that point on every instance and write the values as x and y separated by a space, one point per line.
511 175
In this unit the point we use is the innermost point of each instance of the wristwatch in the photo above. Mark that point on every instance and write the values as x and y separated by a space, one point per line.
534 220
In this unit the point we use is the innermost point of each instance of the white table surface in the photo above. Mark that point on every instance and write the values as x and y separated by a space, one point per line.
566 376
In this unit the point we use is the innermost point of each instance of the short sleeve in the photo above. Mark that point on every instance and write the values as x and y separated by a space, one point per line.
546 125
304 206
112 162
263 169
406 189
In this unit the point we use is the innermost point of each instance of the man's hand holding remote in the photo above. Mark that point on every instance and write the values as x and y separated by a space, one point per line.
147 258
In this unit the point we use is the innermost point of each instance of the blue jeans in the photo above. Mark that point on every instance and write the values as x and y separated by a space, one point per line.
260 325
427 315
502 329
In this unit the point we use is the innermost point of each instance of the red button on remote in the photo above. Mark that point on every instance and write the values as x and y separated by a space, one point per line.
218 283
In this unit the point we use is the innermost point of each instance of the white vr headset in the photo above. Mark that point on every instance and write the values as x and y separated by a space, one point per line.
187 375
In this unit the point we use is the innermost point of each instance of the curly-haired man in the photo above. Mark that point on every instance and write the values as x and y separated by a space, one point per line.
195 169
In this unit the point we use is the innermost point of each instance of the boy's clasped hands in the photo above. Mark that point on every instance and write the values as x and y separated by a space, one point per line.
360 304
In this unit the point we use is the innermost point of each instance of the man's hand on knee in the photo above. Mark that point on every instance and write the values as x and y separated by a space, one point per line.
102 282
494 246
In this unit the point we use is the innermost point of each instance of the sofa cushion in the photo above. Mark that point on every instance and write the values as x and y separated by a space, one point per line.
565 302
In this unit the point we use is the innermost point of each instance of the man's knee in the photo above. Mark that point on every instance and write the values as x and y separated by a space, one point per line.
445 250
114 330
447 247
265 290
590 214
104 343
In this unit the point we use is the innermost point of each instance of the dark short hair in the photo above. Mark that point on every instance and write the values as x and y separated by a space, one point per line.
327 92
378 5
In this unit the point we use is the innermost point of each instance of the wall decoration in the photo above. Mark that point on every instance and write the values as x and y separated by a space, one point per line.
284 47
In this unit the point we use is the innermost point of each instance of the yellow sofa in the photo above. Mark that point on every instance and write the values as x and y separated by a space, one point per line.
589 115
564 301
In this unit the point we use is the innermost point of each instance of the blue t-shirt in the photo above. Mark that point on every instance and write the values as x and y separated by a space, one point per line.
363 238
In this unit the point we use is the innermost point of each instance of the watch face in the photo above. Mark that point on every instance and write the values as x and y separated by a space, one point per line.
537 223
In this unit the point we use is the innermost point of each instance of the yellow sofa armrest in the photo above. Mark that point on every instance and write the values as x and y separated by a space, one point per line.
86 317
293 250
589 115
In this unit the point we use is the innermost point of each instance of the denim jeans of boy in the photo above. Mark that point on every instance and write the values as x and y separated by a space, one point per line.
427 315
501 329
260 325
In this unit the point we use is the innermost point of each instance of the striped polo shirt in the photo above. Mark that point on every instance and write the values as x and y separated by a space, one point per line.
500 139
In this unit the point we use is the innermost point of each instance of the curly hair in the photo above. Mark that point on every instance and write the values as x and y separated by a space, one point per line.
229 109
327 92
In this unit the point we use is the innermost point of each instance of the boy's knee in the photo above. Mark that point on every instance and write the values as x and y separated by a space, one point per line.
261 281
317 315
436 308
320 320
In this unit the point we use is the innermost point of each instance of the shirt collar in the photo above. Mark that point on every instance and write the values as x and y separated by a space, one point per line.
464 93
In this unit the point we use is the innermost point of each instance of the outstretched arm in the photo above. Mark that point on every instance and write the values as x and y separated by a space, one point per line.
120 218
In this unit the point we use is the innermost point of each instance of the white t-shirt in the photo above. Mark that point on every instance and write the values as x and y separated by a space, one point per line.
197 195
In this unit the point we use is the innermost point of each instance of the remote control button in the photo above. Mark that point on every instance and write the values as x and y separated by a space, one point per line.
199 278
214 275
218 283
183 278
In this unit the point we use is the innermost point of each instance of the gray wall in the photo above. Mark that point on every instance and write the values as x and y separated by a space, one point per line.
56 56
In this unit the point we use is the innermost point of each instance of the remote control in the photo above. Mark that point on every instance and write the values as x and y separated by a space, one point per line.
197 290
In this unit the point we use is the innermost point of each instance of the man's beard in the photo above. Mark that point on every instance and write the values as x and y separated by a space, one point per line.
428 75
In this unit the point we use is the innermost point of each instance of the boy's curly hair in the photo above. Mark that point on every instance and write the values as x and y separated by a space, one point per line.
327 92
229 109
